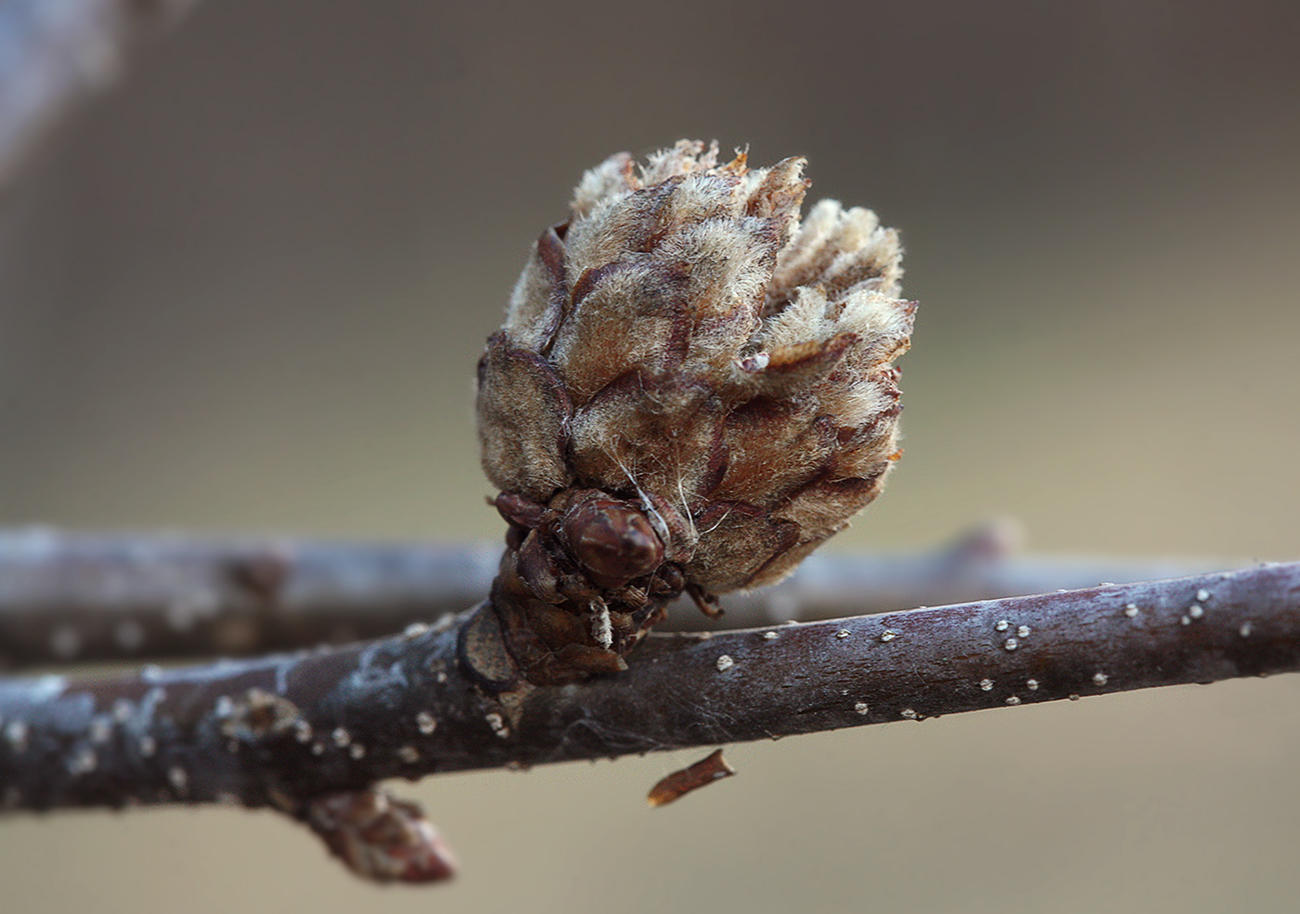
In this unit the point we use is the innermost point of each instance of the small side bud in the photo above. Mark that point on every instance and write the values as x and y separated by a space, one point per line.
613 541
381 838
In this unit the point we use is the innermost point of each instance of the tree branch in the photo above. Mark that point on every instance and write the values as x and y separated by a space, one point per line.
283 731
91 598
54 53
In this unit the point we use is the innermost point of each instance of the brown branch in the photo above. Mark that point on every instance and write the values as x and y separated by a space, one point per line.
286 731
53 55
120 596
91 598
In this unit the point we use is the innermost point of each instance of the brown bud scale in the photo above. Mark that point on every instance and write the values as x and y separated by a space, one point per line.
692 390
706 771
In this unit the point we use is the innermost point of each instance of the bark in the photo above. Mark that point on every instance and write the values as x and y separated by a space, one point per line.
130 597
285 730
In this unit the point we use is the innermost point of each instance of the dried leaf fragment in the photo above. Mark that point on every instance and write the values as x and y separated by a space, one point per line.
703 773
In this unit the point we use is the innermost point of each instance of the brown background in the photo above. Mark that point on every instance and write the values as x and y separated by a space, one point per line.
246 292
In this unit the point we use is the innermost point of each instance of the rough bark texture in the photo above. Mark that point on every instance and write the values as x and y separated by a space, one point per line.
282 731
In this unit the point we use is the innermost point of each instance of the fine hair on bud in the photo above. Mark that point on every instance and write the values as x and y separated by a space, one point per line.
693 389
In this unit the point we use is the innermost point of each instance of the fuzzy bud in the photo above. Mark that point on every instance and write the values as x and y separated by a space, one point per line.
693 389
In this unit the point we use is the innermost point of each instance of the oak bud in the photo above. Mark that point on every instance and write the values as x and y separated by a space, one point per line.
693 389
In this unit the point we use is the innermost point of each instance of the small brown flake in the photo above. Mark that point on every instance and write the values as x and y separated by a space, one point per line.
679 783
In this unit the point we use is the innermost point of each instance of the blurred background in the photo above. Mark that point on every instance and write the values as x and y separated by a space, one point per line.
246 290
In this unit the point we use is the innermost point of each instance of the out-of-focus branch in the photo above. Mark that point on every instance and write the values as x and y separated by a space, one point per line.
90 598
66 597
54 53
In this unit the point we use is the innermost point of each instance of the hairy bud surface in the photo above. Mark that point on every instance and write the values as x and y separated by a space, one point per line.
692 390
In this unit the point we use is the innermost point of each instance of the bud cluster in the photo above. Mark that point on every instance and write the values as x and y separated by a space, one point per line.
692 390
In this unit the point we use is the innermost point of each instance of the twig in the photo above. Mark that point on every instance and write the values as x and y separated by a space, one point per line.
284 731
89 598
53 53
121 596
